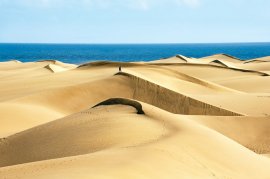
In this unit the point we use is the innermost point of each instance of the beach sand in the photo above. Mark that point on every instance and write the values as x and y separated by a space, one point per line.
179 117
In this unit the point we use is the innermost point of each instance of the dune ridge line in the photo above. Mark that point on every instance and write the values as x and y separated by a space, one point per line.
163 98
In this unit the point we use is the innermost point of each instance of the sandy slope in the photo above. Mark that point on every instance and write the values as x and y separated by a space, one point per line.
258 60
252 132
204 118
117 140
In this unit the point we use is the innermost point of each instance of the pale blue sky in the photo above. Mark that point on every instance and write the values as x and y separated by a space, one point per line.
134 21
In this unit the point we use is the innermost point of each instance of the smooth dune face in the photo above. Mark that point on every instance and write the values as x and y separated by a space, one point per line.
199 118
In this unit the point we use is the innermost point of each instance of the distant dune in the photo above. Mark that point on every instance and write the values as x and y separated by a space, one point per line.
179 117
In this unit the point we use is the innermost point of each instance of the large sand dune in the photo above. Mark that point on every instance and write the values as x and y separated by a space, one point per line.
179 117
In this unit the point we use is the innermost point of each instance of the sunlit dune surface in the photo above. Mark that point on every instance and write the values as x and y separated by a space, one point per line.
179 117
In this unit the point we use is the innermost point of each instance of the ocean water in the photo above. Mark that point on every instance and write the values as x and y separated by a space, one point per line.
81 53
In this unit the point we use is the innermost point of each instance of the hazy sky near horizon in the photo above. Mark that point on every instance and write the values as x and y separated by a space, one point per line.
134 21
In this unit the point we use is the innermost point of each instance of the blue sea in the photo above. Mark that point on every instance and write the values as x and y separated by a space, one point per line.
81 53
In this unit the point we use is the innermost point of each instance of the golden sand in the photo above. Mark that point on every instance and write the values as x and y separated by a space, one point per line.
179 117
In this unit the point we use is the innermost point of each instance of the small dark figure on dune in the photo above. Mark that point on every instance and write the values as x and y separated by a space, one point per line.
120 68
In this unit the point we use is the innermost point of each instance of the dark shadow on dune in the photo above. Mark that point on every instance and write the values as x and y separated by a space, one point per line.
214 62
182 58
115 101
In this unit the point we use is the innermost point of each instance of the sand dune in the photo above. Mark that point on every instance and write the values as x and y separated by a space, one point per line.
218 63
251 132
225 60
16 117
258 60
58 63
85 132
171 100
222 57
262 66
110 136
175 59
75 98
179 117
55 68
254 84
